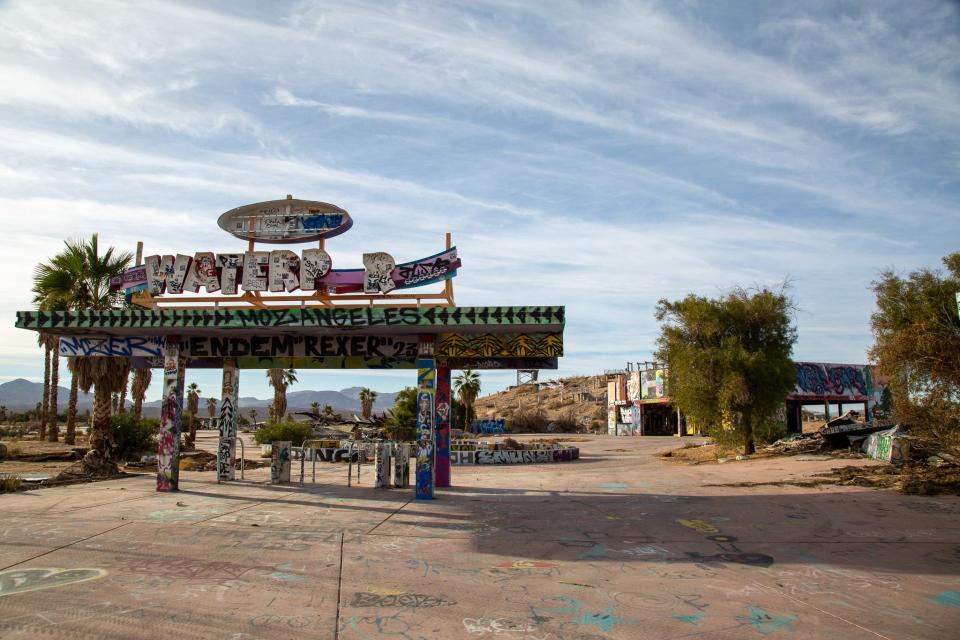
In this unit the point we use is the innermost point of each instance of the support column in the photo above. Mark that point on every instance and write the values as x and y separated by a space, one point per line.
426 396
443 427
168 452
227 421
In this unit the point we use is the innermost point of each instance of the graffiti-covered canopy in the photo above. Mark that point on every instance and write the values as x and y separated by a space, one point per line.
279 308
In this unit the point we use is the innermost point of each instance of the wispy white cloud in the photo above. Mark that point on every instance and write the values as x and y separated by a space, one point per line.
601 155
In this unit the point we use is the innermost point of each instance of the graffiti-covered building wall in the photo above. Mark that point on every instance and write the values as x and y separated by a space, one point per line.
638 401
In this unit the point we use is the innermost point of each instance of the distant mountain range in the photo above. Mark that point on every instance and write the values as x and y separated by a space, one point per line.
20 395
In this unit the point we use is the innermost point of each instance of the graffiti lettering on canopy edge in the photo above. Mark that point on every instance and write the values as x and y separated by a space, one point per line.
15 581
818 379
409 600
143 347
329 317
488 345
287 346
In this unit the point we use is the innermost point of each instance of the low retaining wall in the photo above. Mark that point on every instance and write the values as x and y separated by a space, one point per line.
463 454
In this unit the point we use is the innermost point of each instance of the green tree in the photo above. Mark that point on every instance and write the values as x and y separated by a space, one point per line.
280 379
467 387
729 357
315 408
193 407
917 343
78 278
367 398
401 424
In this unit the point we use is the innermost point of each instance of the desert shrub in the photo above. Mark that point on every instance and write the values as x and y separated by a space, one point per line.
295 432
134 437
13 432
565 423
10 483
510 443
528 421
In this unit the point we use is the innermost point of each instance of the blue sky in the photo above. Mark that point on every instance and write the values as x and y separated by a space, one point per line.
599 155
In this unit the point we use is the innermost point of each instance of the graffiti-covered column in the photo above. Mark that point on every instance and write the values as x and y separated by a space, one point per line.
426 390
168 453
443 426
227 421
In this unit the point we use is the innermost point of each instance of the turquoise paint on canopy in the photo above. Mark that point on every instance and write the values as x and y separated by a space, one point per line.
765 623
691 619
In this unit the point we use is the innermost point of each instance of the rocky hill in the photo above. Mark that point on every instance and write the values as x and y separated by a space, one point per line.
582 398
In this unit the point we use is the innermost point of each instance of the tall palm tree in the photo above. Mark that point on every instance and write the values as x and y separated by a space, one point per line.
212 410
467 387
280 379
42 340
53 431
253 417
315 408
367 398
122 408
141 382
79 278
104 374
193 406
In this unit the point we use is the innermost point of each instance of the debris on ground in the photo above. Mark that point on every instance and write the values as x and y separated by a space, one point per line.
911 477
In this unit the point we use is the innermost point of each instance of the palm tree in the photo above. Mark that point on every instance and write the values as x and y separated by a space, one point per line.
53 431
123 396
367 398
280 379
104 374
141 381
467 387
212 409
193 406
315 408
78 278
253 417
3 413
42 340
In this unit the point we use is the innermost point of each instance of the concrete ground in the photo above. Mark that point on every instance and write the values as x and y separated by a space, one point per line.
620 544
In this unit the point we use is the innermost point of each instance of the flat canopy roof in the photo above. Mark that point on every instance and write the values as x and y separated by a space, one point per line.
333 320
317 338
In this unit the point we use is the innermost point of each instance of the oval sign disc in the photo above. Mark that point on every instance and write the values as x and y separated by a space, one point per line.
286 221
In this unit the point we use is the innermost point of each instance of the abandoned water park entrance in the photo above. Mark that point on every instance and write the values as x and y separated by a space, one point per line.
342 319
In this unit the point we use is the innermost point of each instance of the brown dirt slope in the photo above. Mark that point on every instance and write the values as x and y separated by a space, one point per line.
582 397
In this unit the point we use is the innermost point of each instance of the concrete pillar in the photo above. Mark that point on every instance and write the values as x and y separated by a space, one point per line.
227 421
171 405
382 466
443 426
280 461
401 465
426 397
